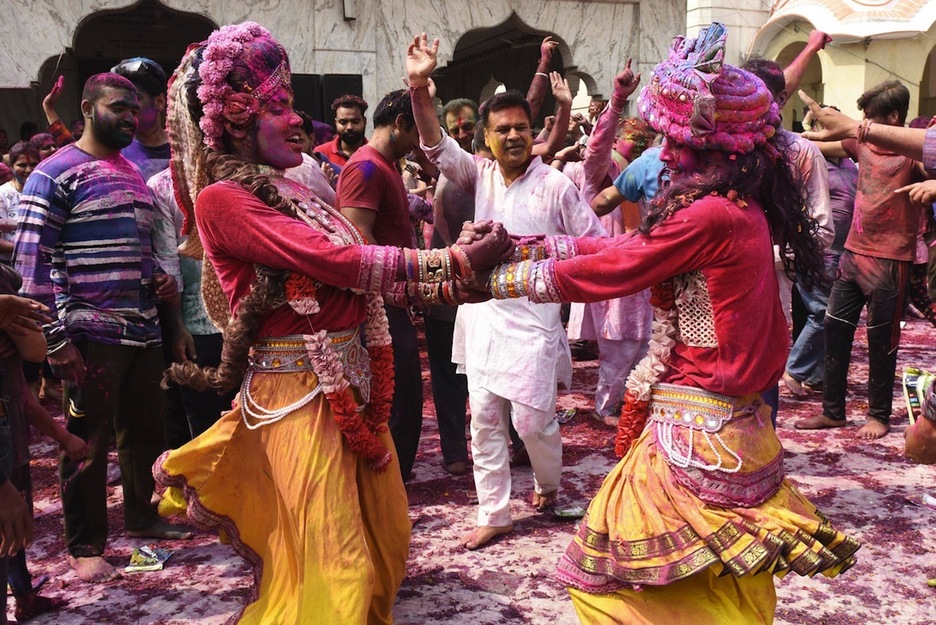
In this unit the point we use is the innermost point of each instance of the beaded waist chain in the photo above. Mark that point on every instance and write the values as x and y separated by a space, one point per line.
288 354
712 447
285 354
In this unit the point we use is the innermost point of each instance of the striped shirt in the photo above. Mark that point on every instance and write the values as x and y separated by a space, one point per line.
84 248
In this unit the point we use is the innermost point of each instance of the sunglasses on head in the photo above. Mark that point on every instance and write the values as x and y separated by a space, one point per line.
140 64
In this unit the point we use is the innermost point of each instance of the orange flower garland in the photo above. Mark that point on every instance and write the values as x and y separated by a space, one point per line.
359 431
636 409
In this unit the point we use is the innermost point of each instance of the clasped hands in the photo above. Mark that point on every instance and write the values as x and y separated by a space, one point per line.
487 244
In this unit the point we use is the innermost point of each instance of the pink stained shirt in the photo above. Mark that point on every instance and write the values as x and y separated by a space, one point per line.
884 224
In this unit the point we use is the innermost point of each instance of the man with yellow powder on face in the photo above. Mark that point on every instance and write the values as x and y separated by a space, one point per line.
529 198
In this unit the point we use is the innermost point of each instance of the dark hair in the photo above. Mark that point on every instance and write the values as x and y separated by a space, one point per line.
23 147
41 137
323 132
768 176
455 106
885 98
479 142
506 100
95 85
27 130
307 123
394 104
769 72
349 101
145 74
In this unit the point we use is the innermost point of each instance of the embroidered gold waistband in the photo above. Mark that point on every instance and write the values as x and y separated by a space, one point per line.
689 407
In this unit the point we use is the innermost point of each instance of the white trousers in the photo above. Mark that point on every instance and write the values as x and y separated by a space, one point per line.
615 361
539 431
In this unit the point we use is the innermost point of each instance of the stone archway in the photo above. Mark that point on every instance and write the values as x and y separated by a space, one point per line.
147 28
505 54
928 86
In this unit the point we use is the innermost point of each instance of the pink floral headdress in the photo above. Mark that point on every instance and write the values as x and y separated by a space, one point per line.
219 100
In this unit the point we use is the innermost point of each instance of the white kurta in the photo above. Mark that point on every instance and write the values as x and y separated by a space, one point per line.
514 348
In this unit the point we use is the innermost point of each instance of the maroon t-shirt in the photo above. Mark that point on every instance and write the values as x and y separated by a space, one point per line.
371 181
884 223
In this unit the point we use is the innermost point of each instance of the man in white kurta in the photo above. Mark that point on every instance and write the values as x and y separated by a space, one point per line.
512 351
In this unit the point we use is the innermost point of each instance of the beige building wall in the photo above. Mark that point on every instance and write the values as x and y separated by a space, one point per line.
365 37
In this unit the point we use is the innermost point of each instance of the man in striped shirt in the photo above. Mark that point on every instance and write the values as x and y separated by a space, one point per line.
84 247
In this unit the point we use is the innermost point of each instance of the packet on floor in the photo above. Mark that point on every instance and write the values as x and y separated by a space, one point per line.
148 558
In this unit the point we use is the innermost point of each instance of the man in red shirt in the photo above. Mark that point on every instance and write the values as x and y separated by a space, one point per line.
873 269
371 194
349 122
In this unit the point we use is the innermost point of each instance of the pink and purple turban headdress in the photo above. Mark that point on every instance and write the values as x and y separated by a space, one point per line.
694 99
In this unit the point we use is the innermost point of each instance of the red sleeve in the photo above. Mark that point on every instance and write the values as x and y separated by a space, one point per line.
697 236
236 224
851 148
361 185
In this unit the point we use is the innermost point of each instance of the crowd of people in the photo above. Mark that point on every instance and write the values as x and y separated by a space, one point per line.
233 292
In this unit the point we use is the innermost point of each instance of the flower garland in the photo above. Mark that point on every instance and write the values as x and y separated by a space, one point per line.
359 425
636 409
222 47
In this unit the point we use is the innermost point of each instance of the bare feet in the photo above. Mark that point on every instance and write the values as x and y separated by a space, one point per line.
94 569
793 385
483 534
819 422
31 605
872 429
543 501
610 420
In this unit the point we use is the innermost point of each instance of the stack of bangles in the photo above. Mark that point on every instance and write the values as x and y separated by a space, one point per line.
430 274
509 281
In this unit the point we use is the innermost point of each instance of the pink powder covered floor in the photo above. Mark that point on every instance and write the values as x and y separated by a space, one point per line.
861 486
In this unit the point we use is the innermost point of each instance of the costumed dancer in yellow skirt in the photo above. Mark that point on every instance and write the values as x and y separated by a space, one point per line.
696 520
302 475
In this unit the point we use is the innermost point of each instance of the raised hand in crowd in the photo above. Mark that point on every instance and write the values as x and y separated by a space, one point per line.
51 99
625 84
828 124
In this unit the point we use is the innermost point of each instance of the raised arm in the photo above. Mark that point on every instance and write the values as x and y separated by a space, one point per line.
541 80
793 73
835 126
563 96
598 152
420 62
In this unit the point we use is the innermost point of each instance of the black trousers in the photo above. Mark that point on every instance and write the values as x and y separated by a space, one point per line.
449 390
406 410
880 284
120 392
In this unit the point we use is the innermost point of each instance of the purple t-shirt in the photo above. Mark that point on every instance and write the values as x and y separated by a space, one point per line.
150 160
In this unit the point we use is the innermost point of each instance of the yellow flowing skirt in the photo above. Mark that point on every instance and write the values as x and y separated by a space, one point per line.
327 536
646 536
